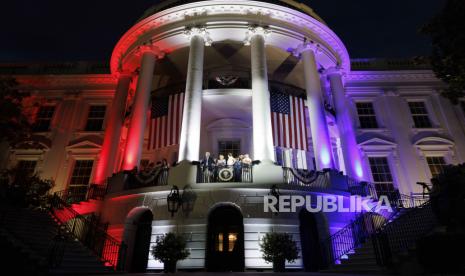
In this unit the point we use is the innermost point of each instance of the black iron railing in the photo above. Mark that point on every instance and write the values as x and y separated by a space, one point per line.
235 173
314 179
96 191
88 232
365 225
155 177
402 233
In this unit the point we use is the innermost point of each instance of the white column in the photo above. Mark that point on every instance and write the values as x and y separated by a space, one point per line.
318 126
263 148
140 107
352 157
115 119
189 144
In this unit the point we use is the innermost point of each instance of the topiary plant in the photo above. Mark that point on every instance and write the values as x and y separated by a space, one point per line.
169 249
277 248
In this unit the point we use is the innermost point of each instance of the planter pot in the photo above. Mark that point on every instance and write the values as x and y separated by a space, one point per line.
169 267
279 265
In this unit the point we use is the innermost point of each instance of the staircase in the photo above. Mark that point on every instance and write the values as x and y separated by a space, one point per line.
38 231
374 245
361 261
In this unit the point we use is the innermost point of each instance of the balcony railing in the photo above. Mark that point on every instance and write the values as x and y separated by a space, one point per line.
313 179
214 174
146 178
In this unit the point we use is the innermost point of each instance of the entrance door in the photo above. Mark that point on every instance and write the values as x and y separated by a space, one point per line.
309 239
225 243
142 243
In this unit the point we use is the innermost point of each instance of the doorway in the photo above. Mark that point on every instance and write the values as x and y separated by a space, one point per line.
310 241
225 240
137 234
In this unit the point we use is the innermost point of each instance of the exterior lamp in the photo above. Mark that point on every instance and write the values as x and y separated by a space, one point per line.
173 200
188 199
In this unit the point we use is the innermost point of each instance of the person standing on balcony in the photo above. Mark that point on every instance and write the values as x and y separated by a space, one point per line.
207 165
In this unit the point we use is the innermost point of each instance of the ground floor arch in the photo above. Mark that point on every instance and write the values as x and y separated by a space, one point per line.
137 235
310 241
225 239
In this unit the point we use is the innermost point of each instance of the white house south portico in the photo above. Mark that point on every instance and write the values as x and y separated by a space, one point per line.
269 91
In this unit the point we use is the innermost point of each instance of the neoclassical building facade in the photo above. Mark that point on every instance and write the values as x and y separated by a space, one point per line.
267 79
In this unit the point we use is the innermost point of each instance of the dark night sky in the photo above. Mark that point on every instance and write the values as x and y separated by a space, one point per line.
33 30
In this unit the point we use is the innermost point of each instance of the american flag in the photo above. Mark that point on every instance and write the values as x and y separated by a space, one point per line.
165 121
288 121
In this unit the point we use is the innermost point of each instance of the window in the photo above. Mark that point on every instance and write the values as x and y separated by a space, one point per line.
26 167
44 118
381 174
419 114
225 147
81 173
366 115
436 165
95 118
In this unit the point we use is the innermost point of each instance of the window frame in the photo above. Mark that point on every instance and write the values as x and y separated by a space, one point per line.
100 120
35 125
75 162
391 174
426 115
372 116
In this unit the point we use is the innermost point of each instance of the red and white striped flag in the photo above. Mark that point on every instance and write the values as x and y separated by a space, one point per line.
288 121
165 121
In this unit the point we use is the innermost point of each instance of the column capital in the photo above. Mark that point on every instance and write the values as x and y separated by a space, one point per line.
256 30
190 32
306 46
335 70
142 49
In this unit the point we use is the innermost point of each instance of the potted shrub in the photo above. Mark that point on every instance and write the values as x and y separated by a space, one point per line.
169 249
277 248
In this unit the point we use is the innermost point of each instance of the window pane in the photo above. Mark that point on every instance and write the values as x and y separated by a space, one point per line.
95 118
81 173
381 174
44 118
366 115
225 147
436 165
419 114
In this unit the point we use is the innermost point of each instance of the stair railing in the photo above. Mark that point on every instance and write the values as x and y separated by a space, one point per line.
89 233
365 224
402 233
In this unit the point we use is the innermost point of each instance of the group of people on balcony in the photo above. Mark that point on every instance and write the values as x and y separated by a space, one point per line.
227 169
153 174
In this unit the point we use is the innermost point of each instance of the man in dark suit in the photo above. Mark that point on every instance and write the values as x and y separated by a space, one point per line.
207 164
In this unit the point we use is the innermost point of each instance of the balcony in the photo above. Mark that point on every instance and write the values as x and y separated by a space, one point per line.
237 173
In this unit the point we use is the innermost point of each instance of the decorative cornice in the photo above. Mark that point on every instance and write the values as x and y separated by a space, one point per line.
392 76
199 31
163 28
256 30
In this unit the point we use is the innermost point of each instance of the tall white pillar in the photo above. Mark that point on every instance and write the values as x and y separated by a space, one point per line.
140 107
108 154
318 126
352 156
263 148
189 144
